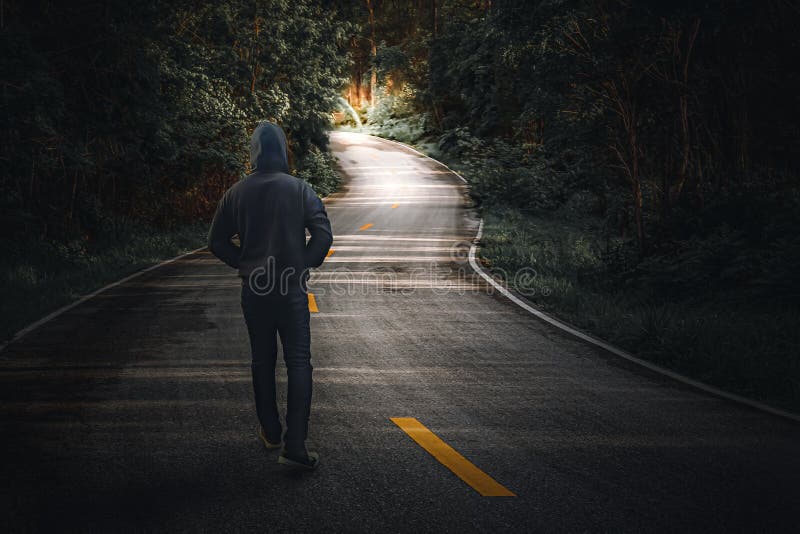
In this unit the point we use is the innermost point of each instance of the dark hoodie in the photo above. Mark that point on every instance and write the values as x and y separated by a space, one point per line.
270 210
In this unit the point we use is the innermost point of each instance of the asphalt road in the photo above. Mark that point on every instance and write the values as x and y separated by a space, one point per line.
133 411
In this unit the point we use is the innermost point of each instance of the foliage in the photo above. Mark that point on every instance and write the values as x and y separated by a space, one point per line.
317 169
142 111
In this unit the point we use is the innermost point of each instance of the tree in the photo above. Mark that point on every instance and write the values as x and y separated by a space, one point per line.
115 110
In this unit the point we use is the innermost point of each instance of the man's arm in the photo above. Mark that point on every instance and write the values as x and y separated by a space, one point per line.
316 220
223 228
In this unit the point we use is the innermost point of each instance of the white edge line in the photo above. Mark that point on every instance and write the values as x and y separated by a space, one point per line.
591 339
49 317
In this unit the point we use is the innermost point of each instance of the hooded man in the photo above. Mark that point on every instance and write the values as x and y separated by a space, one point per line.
271 210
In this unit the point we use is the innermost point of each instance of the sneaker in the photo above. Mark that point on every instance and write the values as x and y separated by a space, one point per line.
309 461
267 443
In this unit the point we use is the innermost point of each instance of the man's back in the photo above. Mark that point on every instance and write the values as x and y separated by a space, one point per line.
270 211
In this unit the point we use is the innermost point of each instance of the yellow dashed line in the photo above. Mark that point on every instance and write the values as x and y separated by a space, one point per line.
312 303
368 225
395 205
451 459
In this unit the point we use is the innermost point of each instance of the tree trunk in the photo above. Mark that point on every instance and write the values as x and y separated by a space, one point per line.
434 18
628 153
373 79
683 106
254 55
637 194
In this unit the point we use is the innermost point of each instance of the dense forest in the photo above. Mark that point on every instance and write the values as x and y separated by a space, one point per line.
643 156
140 110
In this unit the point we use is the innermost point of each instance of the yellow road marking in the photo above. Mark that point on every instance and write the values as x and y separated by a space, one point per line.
451 459
395 205
368 225
312 303
330 253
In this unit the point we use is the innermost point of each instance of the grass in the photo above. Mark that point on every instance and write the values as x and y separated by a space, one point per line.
733 343
39 277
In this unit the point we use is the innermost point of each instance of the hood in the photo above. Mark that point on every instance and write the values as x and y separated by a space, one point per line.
268 149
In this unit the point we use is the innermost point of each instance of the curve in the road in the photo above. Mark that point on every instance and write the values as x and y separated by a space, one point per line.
527 306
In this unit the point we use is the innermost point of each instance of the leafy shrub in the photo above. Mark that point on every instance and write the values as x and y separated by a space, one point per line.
316 167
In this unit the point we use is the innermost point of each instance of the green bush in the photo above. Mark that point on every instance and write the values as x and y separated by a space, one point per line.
316 167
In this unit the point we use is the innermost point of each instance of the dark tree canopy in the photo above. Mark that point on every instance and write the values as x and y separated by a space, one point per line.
142 109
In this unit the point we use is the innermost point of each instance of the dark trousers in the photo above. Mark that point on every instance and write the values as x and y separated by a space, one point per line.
268 316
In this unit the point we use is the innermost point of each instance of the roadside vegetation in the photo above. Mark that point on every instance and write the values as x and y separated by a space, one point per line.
123 122
641 158
40 276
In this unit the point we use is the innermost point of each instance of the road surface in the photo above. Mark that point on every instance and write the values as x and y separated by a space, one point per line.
133 411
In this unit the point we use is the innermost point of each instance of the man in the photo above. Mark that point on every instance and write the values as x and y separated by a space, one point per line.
270 210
